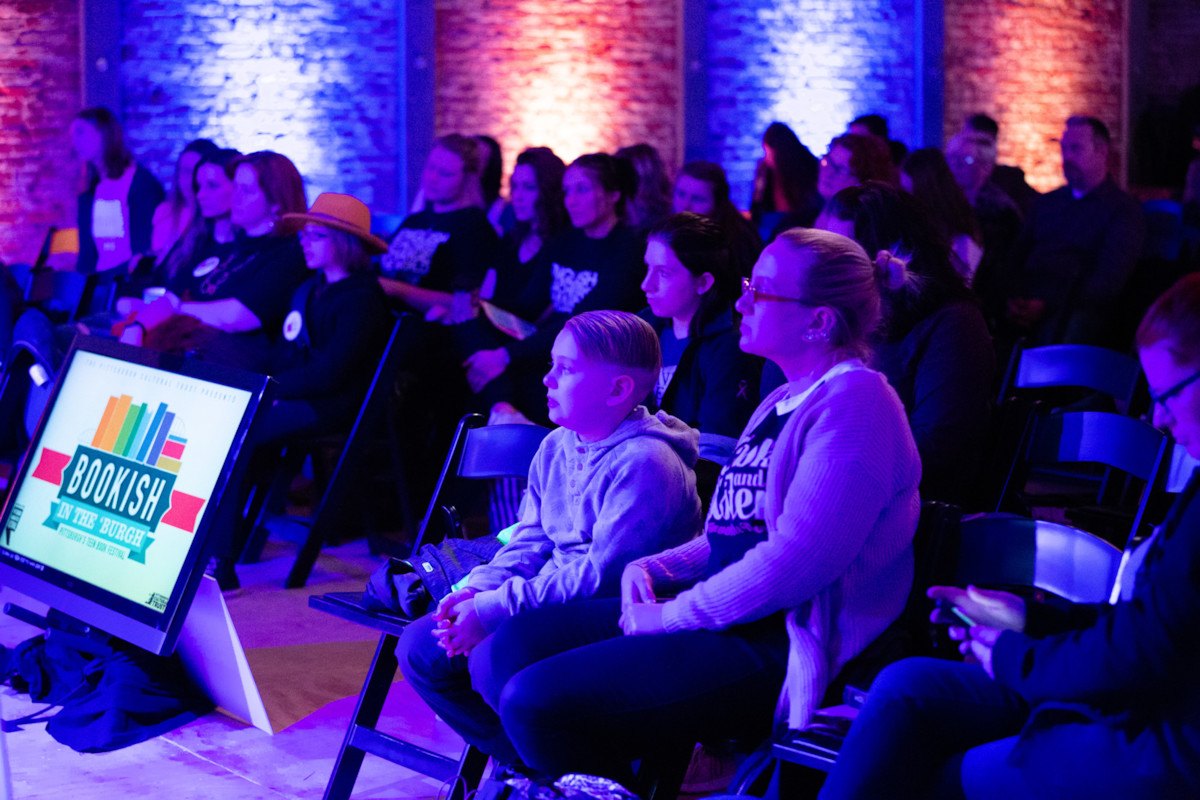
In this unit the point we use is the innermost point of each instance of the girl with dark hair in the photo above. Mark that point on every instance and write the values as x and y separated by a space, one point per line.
119 196
210 233
691 286
1096 700
852 160
446 247
927 176
652 201
175 214
933 344
536 200
785 183
703 188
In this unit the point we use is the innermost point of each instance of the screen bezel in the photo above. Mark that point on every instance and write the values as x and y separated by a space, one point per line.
92 605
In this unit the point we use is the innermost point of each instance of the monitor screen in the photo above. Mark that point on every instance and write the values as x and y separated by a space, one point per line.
108 516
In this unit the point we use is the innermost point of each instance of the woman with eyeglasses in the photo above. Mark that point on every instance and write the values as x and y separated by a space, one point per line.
805 558
852 160
1097 701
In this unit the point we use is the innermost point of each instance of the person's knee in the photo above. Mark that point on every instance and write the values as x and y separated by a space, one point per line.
910 677
418 654
529 700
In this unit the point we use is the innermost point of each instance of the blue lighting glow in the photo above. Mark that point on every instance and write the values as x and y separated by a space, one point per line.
812 64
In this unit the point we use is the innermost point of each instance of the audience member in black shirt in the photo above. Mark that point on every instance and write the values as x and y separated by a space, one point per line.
536 193
246 291
445 248
927 176
785 183
596 265
1079 247
933 346
703 188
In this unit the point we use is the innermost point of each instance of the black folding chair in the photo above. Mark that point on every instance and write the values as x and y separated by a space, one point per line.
1123 450
1097 369
477 452
370 424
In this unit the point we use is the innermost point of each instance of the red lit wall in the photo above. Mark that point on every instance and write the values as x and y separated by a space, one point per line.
1031 65
575 76
39 94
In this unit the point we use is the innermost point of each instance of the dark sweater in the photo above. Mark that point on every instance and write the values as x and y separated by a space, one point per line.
145 193
330 361
1077 254
1129 667
715 386
943 370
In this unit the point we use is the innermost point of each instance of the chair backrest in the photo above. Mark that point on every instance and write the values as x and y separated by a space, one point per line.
1130 445
1006 550
500 451
1125 444
1099 369
477 452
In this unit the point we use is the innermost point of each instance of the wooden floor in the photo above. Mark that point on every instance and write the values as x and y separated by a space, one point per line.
309 667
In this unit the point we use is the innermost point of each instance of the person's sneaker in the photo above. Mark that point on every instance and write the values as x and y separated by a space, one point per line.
709 771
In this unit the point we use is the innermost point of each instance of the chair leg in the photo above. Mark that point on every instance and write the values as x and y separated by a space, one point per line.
366 715
470 773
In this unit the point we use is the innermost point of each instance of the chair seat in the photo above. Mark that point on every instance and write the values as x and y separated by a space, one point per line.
817 744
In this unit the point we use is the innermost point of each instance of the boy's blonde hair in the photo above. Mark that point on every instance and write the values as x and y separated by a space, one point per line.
622 339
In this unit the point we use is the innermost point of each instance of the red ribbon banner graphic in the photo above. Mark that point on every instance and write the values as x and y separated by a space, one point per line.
50 466
183 511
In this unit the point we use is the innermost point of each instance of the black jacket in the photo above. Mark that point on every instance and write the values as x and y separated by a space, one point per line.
715 387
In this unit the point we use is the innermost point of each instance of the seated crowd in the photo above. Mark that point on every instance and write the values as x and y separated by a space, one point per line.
835 353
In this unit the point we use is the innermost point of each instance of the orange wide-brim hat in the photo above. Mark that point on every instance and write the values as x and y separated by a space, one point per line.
340 211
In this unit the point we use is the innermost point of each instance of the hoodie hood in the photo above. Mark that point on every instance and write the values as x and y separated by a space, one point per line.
685 441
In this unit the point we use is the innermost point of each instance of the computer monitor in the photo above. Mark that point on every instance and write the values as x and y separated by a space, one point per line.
109 515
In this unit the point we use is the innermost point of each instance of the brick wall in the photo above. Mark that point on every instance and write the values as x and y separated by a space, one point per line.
574 75
311 79
813 64
39 93
1031 65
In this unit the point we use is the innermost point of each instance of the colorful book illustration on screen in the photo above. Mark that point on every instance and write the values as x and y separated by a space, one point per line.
116 489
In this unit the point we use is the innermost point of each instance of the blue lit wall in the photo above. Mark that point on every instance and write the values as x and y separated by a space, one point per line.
312 79
813 64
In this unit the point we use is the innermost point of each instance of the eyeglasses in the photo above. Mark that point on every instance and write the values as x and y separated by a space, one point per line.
758 294
1161 399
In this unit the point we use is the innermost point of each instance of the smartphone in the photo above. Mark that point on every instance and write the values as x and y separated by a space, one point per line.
958 613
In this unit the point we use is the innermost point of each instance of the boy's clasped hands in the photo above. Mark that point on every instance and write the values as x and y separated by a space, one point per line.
458 627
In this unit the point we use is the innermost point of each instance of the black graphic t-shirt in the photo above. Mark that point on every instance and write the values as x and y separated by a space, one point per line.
447 251
737 514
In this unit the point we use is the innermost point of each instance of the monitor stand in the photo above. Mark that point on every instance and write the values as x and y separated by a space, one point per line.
212 654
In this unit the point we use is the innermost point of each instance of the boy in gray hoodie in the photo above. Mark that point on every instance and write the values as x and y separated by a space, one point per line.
612 484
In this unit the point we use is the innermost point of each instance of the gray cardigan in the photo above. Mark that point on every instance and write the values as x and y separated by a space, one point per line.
841 510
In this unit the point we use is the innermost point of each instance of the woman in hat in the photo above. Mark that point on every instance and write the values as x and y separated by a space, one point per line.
336 327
